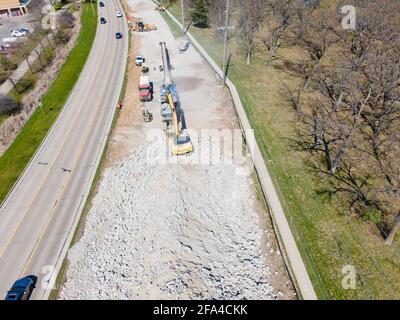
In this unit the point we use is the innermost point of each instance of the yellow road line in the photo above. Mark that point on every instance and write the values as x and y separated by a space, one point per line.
43 181
88 130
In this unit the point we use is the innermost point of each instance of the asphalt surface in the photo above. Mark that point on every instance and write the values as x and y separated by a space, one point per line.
38 218
8 24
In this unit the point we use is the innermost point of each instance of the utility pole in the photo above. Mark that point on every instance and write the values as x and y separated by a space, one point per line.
225 28
183 17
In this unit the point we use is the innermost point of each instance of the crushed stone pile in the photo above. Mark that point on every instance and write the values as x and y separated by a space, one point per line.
169 232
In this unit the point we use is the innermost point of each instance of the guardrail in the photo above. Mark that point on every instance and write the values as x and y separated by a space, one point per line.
292 256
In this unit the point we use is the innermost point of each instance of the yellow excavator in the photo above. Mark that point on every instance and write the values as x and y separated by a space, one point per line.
178 140
140 26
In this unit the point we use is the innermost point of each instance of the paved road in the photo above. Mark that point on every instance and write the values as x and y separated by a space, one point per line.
38 218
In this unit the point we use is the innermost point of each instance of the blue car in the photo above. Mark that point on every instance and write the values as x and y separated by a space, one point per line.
22 288
118 35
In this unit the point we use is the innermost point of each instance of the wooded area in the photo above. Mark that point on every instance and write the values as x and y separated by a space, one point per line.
347 106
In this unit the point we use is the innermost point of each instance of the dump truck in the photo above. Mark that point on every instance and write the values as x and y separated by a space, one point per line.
145 89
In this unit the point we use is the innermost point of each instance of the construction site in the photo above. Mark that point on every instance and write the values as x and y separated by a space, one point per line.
183 228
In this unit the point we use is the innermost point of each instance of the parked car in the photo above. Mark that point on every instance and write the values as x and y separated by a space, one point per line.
22 288
184 46
119 14
16 33
118 35
24 31
103 20
139 60
101 4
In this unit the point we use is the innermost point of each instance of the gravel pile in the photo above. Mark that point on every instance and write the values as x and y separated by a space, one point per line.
169 232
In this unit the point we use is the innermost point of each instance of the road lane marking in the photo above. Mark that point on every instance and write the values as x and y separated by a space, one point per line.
90 76
74 164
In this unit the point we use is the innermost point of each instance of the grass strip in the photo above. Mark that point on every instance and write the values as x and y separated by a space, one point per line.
19 153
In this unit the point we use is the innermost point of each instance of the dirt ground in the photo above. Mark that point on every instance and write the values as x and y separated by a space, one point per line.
167 248
128 129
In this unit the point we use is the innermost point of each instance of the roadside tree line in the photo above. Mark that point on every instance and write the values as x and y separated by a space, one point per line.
41 41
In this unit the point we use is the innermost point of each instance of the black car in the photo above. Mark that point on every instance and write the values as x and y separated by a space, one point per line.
22 288
103 20
101 4
118 35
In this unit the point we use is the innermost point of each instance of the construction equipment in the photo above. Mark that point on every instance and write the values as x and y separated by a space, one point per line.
140 26
145 88
179 139
147 115
145 68
149 27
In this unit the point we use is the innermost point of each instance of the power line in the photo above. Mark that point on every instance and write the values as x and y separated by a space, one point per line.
226 27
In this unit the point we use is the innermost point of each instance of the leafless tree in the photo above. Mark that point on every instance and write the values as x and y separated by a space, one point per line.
350 125
278 20
65 19
315 34
7 68
251 17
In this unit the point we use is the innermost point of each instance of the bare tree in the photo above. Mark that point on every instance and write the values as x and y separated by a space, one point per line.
396 225
315 34
7 68
278 20
350 125
251 18
66 19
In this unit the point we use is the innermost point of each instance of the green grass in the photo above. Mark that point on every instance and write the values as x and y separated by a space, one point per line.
327 237
17 156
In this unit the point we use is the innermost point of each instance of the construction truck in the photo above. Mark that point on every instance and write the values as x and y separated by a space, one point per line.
145 89
178 138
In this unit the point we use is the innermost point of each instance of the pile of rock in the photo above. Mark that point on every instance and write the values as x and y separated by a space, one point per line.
169 232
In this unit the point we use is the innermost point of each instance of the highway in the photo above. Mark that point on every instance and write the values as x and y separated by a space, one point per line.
39 216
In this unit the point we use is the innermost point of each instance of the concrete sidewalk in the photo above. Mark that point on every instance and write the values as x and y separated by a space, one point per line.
23 68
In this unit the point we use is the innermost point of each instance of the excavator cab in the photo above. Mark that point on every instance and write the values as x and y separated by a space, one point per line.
181 144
